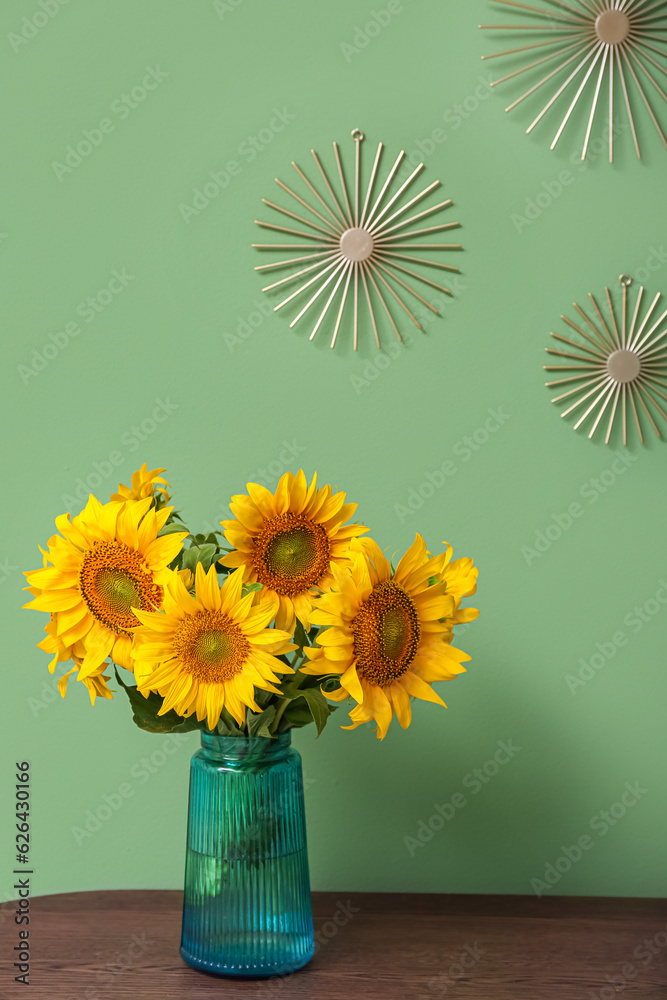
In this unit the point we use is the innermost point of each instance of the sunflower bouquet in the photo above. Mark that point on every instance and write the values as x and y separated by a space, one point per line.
253 630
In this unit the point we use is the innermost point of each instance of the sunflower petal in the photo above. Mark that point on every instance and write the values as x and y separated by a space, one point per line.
420 689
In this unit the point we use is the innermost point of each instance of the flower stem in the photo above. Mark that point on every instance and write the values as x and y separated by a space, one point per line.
296 682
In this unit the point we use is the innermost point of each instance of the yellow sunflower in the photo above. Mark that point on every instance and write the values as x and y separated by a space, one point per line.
289 541
210 651
386 634
96 682
106 561
460 580
144 484
61 653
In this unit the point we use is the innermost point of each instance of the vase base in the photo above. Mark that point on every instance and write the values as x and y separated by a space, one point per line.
241 970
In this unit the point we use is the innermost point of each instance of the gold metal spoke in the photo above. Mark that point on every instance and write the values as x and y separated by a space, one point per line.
292 260
577 389
359 229
626 362
540 11
303 287
621 40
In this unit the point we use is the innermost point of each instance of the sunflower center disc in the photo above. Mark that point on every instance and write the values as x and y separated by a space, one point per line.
386 634
356 244
612 27
211 647
394 633
292 552
118 589
113 580
623 366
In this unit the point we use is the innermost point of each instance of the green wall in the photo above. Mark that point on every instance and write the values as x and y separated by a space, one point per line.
373 427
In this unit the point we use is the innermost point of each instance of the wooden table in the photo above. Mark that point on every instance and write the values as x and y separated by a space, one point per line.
124 946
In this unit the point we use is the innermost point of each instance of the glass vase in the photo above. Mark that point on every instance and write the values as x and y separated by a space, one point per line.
246 908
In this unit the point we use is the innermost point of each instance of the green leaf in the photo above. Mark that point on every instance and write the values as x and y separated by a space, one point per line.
301 636
250 588
291 687
145 713
172 527
263 698
207 553
227 725
318 706
204 554
258 725
311 681
296 716
189 560
330 683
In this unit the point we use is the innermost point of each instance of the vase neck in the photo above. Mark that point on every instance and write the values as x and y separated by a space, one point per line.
246 750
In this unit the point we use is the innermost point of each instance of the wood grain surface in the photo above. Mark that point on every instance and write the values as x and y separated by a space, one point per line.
123 945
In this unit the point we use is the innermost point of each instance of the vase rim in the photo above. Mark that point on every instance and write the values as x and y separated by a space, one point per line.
244 747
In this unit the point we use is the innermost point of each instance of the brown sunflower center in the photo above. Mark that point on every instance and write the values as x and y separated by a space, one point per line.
211 647
291 553
114 579
386 634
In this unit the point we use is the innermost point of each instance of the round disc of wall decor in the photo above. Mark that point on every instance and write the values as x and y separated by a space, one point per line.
357 249
620 364
597 51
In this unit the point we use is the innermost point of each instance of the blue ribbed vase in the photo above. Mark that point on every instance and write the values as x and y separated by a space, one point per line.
246 909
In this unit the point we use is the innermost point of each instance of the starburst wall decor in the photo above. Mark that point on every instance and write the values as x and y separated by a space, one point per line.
617 361
601 47
357 249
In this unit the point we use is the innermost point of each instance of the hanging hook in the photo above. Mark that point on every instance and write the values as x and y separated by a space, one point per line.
357 135
625 280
